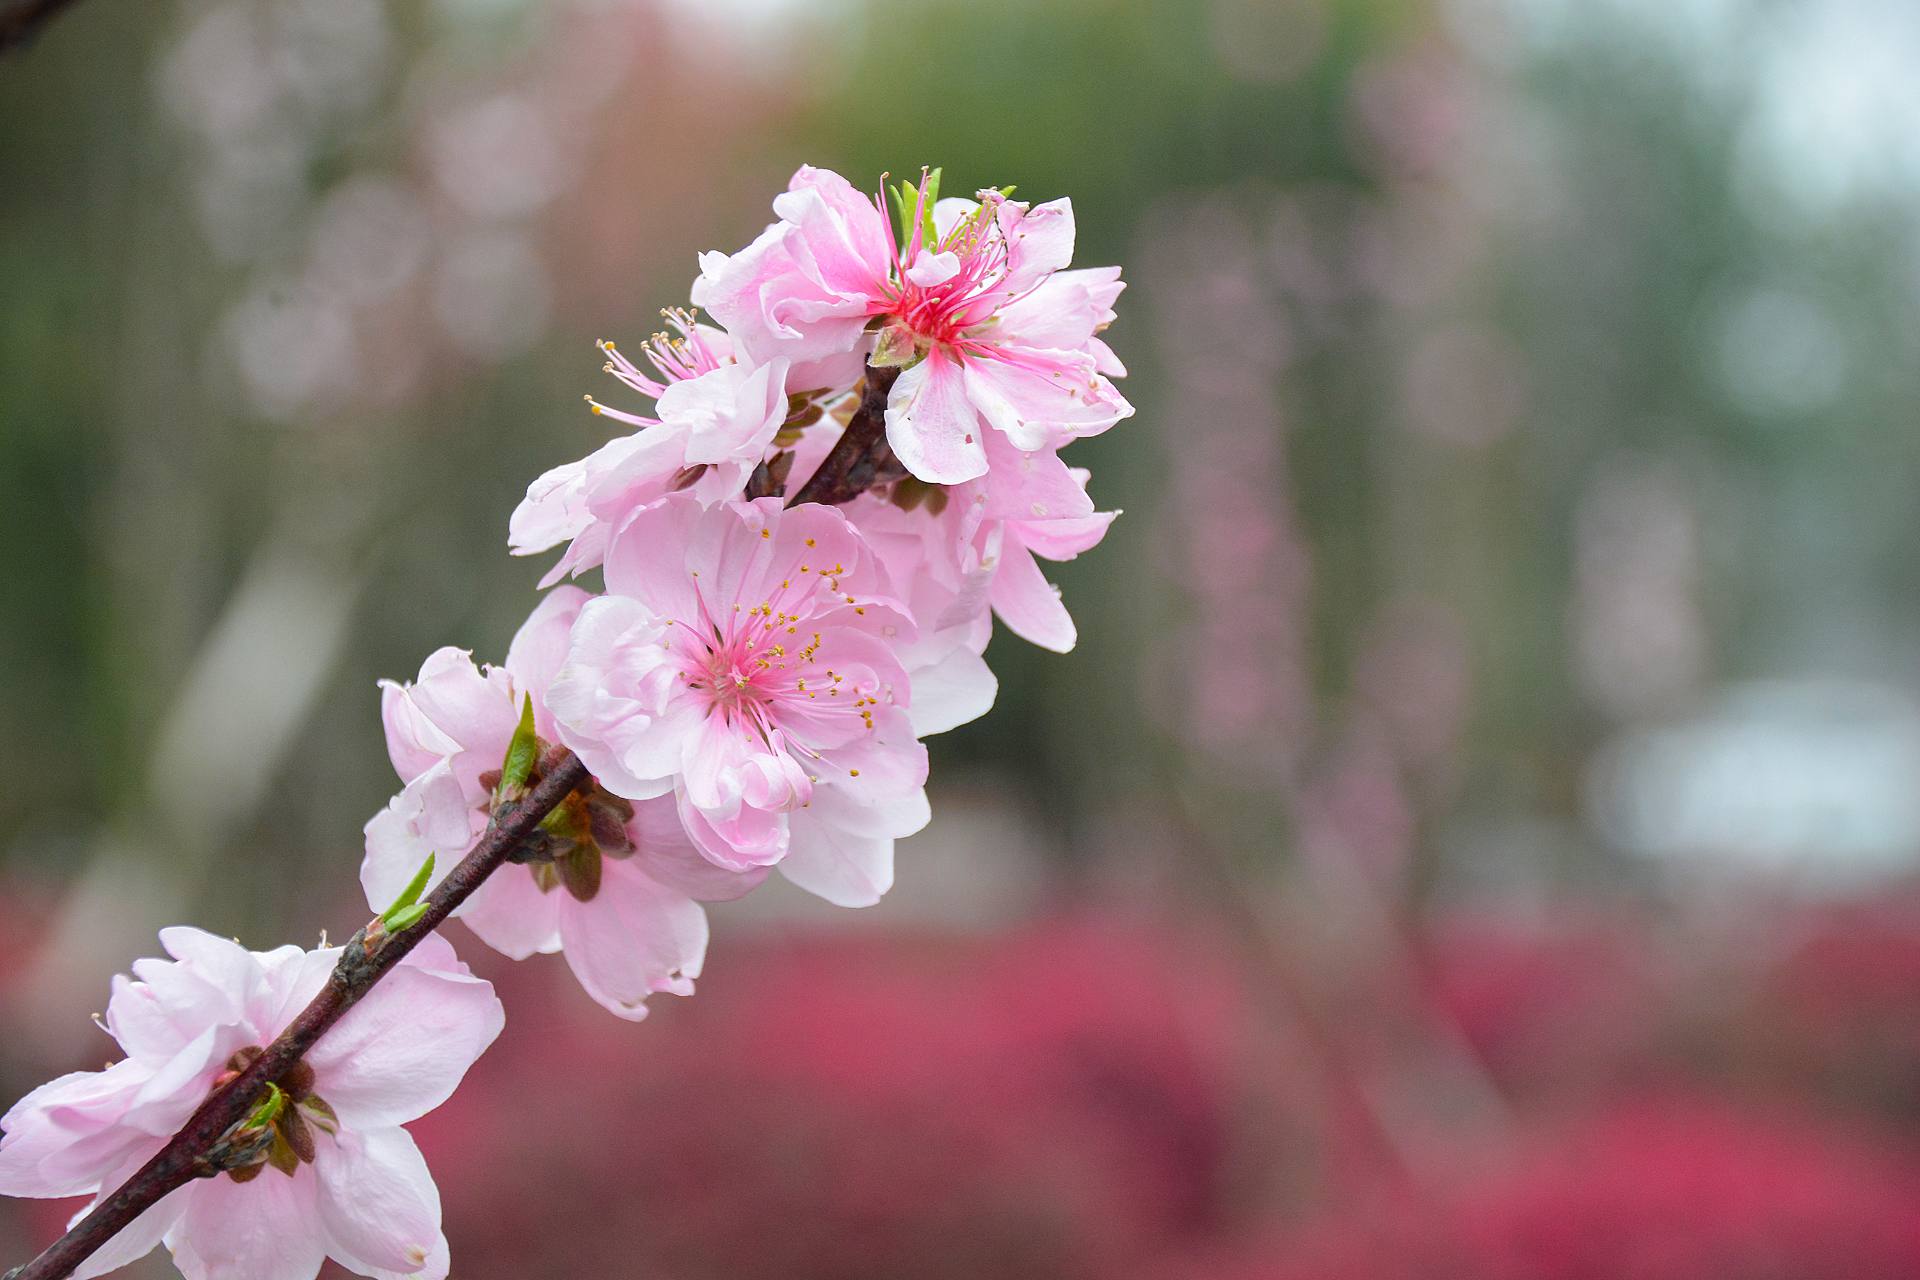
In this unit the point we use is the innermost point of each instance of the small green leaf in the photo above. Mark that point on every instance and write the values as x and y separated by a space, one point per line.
902 214
932 186
410 894
265 1110
521 754
405 916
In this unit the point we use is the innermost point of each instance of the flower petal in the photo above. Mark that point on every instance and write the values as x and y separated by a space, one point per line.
511 915
266 1229
932 426
540 647
955 690
401 1051
1028 603
633 939
63 1139
137 1239
843 851
378 1203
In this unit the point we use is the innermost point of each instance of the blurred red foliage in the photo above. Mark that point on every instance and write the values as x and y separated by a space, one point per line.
1097 1098
1670 1190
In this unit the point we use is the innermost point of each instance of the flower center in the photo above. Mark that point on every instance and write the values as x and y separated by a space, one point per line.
565 849
279 1130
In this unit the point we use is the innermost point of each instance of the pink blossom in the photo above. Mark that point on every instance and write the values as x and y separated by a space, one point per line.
340 1178
716 420
993 335
618 899
744 662
972 547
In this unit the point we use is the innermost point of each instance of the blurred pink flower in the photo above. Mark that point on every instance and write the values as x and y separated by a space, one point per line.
743 661
336 1175
619 901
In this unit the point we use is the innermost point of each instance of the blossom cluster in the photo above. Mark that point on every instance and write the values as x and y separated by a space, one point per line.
749 691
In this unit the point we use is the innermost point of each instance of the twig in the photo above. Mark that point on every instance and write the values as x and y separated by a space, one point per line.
368 957
21 20
860 458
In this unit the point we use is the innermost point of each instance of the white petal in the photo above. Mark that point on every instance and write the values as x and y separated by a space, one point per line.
403 1049
137 1239
843 851
266 1229
957 689
634 939
378 1203
511 915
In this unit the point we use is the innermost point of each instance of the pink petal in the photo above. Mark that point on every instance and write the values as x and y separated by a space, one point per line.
401 1051
1065 539
953 691
1043 398
932 425
539 649
64 1138
1029 604
634 939
843 851
844 235
433 814
266 1229
138 1238
511 915
554 510
378 1205
641 565
1039 242
667 855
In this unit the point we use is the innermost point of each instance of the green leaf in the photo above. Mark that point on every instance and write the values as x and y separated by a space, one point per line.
521 754
933 194
265 1110
410 894
405 916
902 214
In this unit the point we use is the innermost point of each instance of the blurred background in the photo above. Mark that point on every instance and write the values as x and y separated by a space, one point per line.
1479 831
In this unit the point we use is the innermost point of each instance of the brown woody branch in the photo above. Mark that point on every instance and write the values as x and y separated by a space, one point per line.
860 458
368 957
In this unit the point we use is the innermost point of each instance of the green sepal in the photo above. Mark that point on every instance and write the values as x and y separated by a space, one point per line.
579 872
281 1154
320 1115
926 212
409 896
906 197
897 348
521 754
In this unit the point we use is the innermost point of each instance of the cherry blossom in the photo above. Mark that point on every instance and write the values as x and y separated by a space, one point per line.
322 1169
972 548
716 420
744 662
992 333
614 883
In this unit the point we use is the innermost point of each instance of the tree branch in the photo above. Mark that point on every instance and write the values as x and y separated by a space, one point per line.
368 957
21 20
860 458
